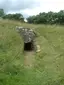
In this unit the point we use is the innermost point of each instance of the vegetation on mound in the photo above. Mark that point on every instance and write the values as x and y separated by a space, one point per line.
48 66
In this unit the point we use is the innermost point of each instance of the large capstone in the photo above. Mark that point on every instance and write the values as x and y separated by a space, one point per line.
28 36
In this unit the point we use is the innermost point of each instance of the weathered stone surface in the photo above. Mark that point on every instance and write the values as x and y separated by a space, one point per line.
27 34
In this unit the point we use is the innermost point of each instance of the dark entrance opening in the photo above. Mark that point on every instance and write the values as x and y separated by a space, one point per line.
28 46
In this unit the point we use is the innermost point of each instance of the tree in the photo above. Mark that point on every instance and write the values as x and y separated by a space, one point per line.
2 13
31 19
16 16
61 17
48 18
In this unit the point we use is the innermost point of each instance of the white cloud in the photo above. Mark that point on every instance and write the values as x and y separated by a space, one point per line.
31 7
46 6
17 5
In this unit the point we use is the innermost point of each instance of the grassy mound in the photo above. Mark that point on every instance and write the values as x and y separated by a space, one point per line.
48 63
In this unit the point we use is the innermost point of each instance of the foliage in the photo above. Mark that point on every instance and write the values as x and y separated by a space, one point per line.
16 16
2 12
48 18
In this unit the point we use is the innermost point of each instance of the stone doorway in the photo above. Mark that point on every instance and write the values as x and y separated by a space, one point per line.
29 46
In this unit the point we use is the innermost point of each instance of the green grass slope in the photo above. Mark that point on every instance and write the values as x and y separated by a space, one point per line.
48 66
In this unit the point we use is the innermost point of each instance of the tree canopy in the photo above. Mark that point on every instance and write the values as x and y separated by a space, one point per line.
47 18
41 18
16 16
2 12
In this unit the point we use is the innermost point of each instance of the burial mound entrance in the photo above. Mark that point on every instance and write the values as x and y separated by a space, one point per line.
28 46
28 36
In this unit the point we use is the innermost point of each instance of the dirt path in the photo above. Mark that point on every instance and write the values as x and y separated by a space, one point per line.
29 59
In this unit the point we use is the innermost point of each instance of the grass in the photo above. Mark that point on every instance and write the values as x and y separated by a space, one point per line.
49 63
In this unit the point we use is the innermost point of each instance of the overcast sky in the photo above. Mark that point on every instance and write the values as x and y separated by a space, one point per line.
31 7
